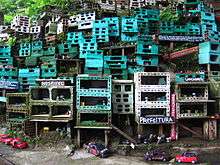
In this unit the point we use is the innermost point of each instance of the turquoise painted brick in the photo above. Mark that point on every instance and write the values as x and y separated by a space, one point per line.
209 27
145 38
147 48
209 53
213 35
48 59
91 53
31 61
121 74
90 45
100 30
8 71
191 2
167 27
67 48
25 45
129 25
37 45
129 37
6 60
113 26
181 29
49 51
115 62
147 60
75 37
153 14
207 16
182 77
194 29
5 51
209 47
106 106
94 62
93 70
48 72
24 52
8 78
37 52
134 69
33 72
107 80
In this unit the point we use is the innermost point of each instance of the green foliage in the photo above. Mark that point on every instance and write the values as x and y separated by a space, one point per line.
29 8
168 14
188 63
61 37
11 41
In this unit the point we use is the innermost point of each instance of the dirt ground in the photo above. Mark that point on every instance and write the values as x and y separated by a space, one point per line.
209 156
57 155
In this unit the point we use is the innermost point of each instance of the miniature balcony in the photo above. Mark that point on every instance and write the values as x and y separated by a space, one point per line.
154 98
15 117
91 120
94 84
62 94
153 111
40 111
61 111
40 94
152 80
192 110
193 93
17 102
94 103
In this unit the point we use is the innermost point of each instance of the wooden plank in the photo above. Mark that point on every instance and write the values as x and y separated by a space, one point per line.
123 134
92 127
190 130
181 53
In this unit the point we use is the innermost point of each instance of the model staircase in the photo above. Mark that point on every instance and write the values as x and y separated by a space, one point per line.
181 53
123 134
190 130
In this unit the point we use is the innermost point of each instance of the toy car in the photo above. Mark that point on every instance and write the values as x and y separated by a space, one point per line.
157 155
3 136
18 143
6 139
187 157
98 150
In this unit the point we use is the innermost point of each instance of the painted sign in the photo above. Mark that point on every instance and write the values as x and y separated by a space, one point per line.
52 83
194 79
173 132
9 84
173 105
156 120
181 38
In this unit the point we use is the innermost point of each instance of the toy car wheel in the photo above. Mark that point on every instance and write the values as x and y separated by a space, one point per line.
193 162
164 159
179 161
149 159
101 156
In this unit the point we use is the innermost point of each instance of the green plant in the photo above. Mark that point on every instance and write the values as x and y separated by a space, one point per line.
11 41
168 14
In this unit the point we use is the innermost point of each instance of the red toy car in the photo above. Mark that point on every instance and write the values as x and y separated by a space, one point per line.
98 150
5 139
188 157
18 143
3 136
